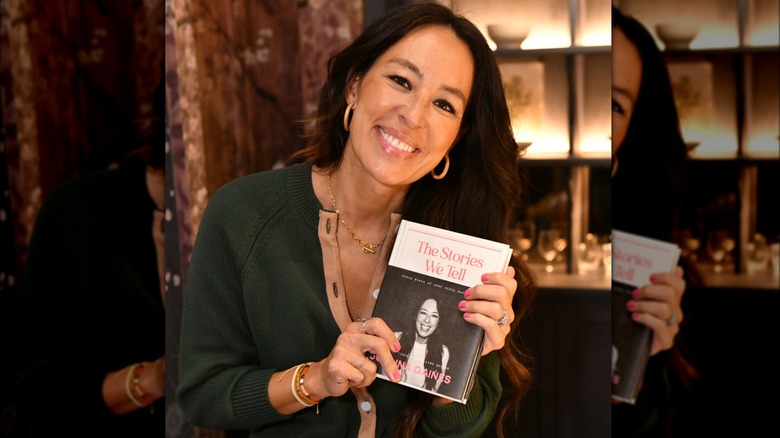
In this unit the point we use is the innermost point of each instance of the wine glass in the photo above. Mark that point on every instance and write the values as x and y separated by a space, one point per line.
719 244
547 244
523 234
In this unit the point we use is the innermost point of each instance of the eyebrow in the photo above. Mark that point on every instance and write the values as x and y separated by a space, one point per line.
408 64
625 92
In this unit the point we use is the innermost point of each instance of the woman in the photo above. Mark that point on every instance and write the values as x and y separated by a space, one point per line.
91 319
647 146
274 324
426 351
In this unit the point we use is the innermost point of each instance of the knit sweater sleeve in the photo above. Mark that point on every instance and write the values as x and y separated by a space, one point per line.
220 385
473 418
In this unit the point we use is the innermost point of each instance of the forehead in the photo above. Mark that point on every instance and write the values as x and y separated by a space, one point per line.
626 62
439 54
428 304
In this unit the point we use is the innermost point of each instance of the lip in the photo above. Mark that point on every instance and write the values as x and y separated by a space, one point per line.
389 147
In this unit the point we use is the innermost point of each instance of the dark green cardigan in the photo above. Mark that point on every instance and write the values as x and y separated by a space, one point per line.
255 303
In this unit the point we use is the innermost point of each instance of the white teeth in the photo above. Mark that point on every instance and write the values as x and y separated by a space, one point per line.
398 144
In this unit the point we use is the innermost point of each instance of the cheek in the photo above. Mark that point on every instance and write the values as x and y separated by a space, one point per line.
619 127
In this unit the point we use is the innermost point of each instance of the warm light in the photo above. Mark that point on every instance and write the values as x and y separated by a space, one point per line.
765 36
594 24
549 146
714 142
763 25
547 38
595 146
763 145
715 36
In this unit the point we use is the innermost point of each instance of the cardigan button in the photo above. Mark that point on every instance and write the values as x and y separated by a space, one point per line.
366 406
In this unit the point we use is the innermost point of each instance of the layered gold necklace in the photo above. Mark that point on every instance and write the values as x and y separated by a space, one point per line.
368 248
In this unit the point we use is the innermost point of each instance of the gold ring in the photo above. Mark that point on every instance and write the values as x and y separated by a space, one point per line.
363 327
365 358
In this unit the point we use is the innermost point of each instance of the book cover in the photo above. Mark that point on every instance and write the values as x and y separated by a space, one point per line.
428 271
634 259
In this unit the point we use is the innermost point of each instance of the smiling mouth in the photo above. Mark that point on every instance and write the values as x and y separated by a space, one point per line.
396 143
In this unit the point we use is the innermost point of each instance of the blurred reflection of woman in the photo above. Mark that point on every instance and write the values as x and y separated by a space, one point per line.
427 352
648 186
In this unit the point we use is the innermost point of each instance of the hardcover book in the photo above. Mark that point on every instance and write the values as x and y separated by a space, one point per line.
428 271
634 259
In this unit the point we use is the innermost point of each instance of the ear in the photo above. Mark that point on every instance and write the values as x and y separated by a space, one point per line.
352 89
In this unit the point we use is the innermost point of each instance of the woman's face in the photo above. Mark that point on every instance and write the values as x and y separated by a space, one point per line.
626 80
409 106
427 318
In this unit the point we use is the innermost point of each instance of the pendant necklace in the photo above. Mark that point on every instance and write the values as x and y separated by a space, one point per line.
368 248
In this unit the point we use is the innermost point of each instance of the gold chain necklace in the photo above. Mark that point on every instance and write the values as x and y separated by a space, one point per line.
368 248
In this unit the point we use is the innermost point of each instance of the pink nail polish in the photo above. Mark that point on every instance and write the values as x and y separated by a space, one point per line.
635 315
653 278
397 347
467 293
462 305
630 305
396 375
635 293
466 315
485 277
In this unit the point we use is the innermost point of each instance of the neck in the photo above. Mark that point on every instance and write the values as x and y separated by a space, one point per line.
365 203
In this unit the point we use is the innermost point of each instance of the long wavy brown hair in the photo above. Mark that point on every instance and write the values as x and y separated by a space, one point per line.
481 193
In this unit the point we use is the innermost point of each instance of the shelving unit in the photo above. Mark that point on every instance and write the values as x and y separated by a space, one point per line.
730 187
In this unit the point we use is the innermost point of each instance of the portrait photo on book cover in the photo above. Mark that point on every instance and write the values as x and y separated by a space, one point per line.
430 328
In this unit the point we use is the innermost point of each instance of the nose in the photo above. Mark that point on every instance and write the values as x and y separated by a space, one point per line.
414 112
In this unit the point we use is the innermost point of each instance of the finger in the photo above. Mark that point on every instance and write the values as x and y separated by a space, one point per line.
500 279
657 292
378 328
658 309
378 348
663 335
494 334
491 309
675 280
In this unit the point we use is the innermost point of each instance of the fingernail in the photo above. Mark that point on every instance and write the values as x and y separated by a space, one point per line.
462 305
467 293
653 277
635 315
397 347
485 277
396 375
635 293
630 305
466 315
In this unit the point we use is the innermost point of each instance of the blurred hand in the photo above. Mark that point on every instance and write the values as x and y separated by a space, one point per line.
657 305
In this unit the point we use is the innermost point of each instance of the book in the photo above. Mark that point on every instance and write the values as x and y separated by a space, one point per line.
428 271
634 259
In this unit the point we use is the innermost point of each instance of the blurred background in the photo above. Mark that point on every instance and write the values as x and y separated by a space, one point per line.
76 79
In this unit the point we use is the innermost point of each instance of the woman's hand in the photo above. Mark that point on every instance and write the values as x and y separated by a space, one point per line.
347 365
657 305
484 305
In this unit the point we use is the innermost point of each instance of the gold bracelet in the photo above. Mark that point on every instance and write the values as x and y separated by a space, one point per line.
300 392
128 391
294 388
146 399
308 397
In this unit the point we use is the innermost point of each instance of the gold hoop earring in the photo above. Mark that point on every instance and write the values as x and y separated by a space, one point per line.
349 109
444 172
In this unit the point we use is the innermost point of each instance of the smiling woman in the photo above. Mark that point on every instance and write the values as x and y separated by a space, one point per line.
276 318
426 356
